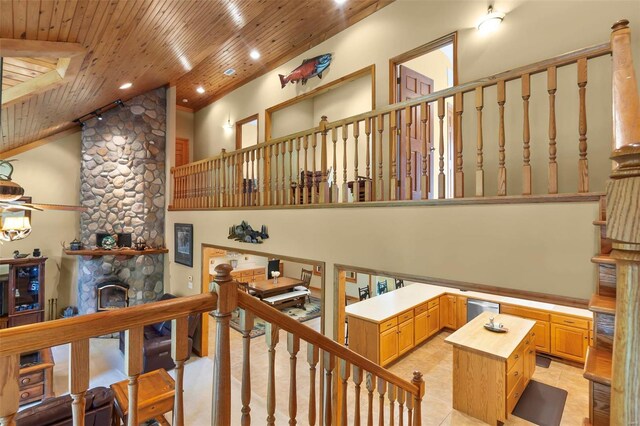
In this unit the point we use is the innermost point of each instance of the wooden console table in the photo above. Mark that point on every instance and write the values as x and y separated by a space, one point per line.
36 380
156 390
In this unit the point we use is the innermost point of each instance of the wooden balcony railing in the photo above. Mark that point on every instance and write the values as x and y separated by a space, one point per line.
385 155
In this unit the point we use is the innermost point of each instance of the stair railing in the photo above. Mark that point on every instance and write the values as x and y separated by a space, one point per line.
338 365
623 227
78 330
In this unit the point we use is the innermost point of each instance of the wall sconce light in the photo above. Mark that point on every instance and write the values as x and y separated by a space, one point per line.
15 228
228 125
490 22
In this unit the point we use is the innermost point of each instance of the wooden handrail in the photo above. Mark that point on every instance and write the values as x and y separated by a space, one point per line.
32 337
285 322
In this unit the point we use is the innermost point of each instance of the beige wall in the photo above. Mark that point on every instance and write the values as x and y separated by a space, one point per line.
50 174
184 128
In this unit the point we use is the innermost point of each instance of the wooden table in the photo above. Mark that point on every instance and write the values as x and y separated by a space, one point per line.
266 288
491 370
156 390
36 381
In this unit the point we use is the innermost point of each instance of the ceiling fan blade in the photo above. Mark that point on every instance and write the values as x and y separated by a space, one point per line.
61 207
18 207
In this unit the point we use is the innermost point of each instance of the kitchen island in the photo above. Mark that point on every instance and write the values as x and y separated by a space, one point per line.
491 370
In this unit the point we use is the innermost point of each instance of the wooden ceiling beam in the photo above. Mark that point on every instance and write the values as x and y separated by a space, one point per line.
11 47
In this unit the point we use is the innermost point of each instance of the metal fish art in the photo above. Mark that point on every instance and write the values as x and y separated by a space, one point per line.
309 68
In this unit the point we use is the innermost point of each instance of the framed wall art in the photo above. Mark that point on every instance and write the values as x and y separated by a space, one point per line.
183 244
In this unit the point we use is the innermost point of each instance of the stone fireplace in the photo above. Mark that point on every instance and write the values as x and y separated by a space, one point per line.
112 294
122 184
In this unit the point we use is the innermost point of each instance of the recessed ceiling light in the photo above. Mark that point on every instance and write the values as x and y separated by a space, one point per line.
126 85
185 100
340 2
254 54
200 89
229 71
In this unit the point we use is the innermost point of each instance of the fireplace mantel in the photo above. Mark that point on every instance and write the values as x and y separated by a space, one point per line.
123 252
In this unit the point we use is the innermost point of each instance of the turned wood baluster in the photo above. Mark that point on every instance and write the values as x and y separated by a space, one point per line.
254 183
334 183
223 178
367 182
276 182
259 182
408 181
417 399
391 394
356 183
246 325
305 177
409 404
314 183
329 361
552 85
240 180
283 191
502 171
289 189
459 177
323 186
312 359
345 370
583 166
266 165
380 184
272 336
248 180
293 346
357 381
179 353
214 182
382 389
526 136
479 146
393 141
371 386
345 187
400 407
441 177
298 190
200 185
424 175
9 389
233 166
133 364
79 379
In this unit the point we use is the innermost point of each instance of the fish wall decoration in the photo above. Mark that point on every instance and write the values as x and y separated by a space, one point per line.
309 68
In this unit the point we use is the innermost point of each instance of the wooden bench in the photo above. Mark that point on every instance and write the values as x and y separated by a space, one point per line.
285 300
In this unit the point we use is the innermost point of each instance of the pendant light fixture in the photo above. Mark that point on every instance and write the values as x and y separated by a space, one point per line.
490 22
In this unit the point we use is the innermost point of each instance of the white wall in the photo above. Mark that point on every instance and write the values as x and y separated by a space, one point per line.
184 129
50 174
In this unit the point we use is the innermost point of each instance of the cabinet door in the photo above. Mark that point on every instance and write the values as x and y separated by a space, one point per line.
388 345
529 361
461 311
421 327
542 340
405 336
569 342
433 323
448 311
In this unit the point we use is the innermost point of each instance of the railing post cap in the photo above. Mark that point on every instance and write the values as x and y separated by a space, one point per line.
223 272
620 25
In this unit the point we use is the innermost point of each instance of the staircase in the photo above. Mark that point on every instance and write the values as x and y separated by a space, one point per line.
597 368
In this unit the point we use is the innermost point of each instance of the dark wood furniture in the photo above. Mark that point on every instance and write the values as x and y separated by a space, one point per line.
267 288
23 291
156 391
36 376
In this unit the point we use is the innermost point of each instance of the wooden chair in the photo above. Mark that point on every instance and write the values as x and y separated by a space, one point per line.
382 287
399 283
305 276
363 293
346 321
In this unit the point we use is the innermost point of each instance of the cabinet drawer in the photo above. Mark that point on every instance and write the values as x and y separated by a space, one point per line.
432 303
516 356
570 321
29 380
514 374
246 274
524 312
388 324
30 394
422 308
515 395
405 316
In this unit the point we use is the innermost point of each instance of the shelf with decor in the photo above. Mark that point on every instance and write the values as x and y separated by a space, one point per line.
120 252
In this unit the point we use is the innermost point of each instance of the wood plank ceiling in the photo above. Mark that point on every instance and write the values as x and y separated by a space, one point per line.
151 43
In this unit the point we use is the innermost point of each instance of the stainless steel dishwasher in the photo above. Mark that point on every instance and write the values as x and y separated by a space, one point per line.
476 307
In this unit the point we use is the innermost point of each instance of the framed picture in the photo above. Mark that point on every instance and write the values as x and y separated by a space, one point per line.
184 244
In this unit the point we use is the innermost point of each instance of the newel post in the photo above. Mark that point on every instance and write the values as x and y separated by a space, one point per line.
623 227
324 184
227 292
418 381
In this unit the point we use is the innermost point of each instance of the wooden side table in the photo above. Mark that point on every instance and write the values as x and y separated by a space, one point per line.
156 390
36 379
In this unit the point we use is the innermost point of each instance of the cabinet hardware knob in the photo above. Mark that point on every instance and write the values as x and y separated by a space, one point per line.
516 374
517 356
517 394
568 322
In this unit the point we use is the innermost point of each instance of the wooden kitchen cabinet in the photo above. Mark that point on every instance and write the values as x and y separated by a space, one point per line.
542 338
433 320
569 342
461 311
405 336
388 345
541 329
448 314
421 327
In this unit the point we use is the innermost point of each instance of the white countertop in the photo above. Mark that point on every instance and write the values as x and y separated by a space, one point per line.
385 306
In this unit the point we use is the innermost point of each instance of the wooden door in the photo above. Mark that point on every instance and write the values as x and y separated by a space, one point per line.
448 311
569 342
421 327
413 85
541 330
405 337
182 152
388 345
461 311
434 320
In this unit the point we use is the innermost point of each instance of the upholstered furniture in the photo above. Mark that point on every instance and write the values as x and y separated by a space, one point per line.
57 411
157 342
